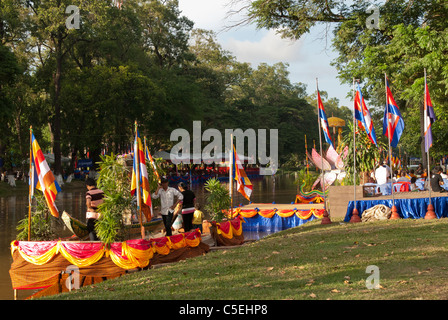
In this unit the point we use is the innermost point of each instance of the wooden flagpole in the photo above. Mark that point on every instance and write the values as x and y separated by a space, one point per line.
31 184
137 178
231 175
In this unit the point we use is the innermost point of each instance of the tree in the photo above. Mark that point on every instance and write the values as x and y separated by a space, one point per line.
410 37
52 41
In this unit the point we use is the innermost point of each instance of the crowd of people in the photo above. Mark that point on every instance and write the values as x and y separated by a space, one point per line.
418 179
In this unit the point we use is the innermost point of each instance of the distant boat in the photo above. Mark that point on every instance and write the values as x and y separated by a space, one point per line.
79 228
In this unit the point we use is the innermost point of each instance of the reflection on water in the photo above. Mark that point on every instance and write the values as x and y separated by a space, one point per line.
280 189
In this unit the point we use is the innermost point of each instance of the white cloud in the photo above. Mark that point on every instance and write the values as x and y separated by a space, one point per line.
271 48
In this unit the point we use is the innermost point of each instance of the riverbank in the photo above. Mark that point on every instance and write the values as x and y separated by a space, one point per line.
309 262
22 188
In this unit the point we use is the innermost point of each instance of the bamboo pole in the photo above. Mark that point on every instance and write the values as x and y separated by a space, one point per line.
231 175
137 178
31 184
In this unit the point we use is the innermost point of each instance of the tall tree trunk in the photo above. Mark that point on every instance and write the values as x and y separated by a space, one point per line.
56 125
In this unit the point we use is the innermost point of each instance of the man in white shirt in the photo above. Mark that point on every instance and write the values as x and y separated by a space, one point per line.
382 173
167 204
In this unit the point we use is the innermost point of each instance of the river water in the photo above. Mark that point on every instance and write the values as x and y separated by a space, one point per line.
279 189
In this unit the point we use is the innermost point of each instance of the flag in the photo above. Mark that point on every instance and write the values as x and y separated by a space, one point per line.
323 120
393 124
243 184
429 118
139 168
42 178
362 114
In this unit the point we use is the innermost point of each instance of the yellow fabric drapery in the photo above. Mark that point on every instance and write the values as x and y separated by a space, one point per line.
228 230
81 262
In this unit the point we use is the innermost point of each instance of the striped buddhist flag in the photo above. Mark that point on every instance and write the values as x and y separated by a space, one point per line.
243 184
139 168
42 178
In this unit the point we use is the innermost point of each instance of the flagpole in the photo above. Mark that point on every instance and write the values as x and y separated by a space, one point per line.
325 219
394 214
31 182
231 175
430 213
306 157
355 213
137 178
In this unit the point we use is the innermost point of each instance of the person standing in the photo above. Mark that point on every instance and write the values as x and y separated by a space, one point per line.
94 197
198 217
187 206
167 203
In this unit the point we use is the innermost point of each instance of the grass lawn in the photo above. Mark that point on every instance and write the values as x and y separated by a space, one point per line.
310 262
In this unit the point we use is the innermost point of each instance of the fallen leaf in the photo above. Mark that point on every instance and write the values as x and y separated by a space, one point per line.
270 268
335 291
312 295
275 252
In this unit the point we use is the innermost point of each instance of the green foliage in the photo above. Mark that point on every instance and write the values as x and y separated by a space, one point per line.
41 222
217 199
368 156
114 181
306 179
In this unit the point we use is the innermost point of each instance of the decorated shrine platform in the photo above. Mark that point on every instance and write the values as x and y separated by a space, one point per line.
43 264
262 219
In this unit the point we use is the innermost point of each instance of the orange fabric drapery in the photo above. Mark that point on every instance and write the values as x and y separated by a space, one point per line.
127 255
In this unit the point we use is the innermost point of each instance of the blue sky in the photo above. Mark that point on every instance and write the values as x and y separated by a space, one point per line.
308 58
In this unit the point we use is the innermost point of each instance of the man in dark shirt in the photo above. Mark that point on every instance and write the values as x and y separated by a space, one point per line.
436 180
94 197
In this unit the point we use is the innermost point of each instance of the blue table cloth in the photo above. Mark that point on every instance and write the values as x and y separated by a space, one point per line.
407 208
258 227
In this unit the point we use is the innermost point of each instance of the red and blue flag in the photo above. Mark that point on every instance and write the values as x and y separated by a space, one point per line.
324 120
362 114
393 124
429 118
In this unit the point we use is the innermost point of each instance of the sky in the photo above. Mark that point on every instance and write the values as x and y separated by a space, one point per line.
308 58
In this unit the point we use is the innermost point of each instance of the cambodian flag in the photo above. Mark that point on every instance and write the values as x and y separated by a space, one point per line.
362 114
429 118
323 120
393 124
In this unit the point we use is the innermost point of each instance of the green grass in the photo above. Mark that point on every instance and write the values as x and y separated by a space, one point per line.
310 262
